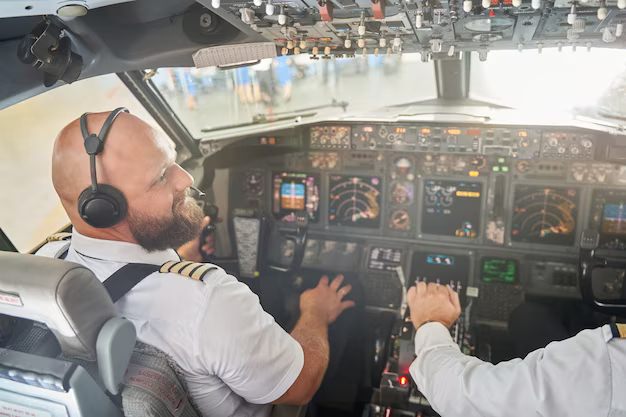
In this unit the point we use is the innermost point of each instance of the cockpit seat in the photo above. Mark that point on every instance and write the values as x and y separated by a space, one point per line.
71 355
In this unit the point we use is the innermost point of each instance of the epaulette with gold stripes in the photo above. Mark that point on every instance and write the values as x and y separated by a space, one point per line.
59 236
618 330
193 270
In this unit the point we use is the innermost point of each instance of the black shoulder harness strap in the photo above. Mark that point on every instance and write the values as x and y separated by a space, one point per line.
125 279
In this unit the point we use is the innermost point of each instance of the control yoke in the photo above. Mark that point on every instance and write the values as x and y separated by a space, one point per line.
299 237
604 290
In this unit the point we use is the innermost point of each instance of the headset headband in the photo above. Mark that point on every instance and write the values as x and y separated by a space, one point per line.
95 143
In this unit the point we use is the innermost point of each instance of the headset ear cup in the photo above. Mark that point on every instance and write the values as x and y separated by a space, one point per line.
104 208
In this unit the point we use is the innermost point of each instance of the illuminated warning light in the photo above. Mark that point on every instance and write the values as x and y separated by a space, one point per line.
332 217
473 132
425 131
362 138
453 131
492 13
272 141
368 129
388 411
400 129
522 134
403 380
474 173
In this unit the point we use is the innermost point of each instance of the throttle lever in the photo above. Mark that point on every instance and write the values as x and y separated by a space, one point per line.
299 239
590 260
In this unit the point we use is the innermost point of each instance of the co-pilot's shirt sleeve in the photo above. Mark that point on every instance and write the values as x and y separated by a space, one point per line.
243 345
568 378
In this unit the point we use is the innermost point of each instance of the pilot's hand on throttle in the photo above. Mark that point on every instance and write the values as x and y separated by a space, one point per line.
326 301
433 302
194 249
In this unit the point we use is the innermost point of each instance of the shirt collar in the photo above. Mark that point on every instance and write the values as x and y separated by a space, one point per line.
113 250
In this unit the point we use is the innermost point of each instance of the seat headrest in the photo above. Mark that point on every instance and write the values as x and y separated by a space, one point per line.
67 297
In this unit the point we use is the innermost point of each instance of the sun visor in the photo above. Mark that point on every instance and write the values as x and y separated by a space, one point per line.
228 55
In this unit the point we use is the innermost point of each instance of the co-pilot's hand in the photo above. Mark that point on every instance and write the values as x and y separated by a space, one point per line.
325 301
196 249
433 302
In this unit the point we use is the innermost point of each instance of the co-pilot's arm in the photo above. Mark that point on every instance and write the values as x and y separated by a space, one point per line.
568 378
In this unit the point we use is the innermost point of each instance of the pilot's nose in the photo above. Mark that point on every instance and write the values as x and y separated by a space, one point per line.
183 179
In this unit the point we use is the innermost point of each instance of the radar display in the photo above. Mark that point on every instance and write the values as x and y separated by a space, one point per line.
354 201
544 215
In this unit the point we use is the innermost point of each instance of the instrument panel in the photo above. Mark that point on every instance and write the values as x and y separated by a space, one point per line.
503 206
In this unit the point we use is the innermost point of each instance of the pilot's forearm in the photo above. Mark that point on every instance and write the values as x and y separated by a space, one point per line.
312 334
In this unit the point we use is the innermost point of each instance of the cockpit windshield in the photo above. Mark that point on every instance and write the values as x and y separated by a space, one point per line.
591 84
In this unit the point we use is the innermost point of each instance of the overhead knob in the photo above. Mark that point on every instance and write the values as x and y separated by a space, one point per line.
419 20
621 4
215 4
361 42
517 3
486 4
315 50
579 25
303 44
607 35
436 44
269 8
257 3
536 4
347 43
247 16
602 11
327 50
571 17
382 42
467 6
282 19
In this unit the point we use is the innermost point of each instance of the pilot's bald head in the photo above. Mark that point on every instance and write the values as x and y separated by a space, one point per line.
139 161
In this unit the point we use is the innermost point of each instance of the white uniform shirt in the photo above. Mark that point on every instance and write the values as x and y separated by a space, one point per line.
582 376
233 354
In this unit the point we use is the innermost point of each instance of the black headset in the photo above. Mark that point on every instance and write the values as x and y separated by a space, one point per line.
100 205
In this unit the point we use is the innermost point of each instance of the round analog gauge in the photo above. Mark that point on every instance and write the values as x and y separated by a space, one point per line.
479 162
253 184
403 168
402 193
400 220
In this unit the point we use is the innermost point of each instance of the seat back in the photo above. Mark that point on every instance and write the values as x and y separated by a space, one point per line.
71 353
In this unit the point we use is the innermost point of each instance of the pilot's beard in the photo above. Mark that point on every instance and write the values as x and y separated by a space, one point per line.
157 234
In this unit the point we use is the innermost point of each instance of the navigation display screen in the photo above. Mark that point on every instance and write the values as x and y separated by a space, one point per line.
452 208
544 215
354 201
384 259
608 217
499 270
613 219
295 191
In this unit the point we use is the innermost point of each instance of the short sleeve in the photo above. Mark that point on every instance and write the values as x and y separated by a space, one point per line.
243 345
